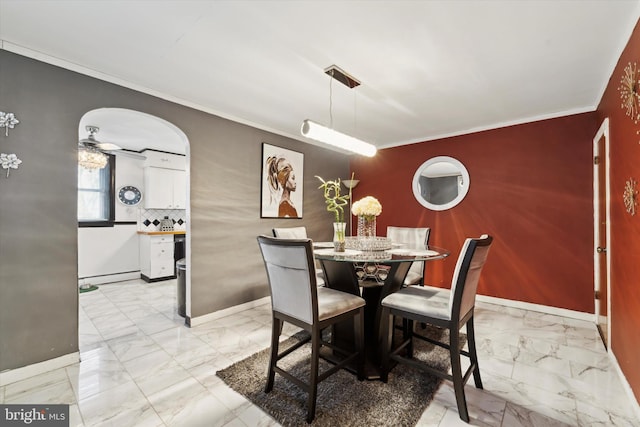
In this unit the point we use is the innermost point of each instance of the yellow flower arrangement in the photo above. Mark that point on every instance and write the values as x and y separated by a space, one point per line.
368 207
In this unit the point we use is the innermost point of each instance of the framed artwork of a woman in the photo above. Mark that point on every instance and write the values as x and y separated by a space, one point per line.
282 182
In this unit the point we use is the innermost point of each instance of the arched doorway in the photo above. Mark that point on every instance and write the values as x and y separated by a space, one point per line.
110 254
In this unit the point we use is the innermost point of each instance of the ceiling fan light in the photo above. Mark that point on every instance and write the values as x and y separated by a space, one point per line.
329 136
92 159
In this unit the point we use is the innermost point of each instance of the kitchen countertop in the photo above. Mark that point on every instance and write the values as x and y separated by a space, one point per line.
154 233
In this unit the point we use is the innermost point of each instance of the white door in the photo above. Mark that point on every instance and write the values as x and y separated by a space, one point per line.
601 231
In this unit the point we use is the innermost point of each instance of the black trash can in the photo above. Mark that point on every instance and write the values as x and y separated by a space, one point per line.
178 249
181 272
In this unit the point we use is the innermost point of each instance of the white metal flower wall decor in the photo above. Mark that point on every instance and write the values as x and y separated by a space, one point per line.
8 121
9 161
630 196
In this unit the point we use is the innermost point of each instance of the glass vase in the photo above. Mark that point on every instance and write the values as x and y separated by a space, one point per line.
366 227
338 236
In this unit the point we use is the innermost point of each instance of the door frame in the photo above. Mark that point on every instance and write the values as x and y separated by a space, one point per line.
602 134
182 137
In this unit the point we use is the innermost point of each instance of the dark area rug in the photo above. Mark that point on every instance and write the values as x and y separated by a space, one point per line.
342 399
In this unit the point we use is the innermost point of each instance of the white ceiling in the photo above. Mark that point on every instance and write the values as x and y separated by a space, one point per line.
428 68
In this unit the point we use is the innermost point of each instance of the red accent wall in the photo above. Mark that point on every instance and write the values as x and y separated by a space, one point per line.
624 250
531 189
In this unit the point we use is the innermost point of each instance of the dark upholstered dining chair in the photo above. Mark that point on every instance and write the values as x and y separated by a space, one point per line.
296 299
414 237
447 309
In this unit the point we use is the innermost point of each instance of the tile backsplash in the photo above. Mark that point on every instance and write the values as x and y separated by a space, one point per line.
149 219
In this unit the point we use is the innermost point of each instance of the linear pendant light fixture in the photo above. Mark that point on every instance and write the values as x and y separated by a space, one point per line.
324 134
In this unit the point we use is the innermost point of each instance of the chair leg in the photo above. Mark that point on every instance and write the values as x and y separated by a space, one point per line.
358 324
423 325
408 335
387 326
471 339
313 380
456 373
276 327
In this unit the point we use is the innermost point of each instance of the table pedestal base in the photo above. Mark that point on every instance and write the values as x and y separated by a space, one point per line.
342 276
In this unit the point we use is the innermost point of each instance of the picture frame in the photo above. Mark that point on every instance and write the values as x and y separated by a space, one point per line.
282 180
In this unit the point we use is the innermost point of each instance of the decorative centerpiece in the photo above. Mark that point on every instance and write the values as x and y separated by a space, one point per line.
335 203
367 210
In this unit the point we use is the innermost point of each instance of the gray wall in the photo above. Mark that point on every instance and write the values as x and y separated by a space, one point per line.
38 229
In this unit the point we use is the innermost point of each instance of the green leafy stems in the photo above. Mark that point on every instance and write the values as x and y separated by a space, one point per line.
335 202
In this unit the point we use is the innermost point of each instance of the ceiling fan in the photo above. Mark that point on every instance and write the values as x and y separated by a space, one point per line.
91 143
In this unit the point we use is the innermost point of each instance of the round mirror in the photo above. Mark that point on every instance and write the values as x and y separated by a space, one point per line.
440 183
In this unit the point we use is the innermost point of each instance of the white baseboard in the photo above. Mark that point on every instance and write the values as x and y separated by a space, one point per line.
18 374
579 315
589 317
195 321
109 278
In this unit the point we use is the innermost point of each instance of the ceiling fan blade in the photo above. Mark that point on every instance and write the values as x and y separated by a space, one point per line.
107 146
91 141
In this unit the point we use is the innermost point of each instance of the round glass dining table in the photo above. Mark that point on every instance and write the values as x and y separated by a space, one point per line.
373 270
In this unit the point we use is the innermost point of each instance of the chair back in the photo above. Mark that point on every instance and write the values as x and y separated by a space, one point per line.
290 233
472 258
414 237
292 280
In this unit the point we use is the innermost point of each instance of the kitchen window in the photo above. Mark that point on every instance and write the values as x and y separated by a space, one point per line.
96 195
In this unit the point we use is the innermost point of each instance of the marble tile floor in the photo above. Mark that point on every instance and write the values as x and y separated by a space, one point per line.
142 367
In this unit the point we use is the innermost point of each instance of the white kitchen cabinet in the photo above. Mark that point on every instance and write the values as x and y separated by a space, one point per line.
156 257
158 159
165 188
180 190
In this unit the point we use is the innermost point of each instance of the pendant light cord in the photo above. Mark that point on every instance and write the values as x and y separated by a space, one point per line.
355 112
355 106
331 101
